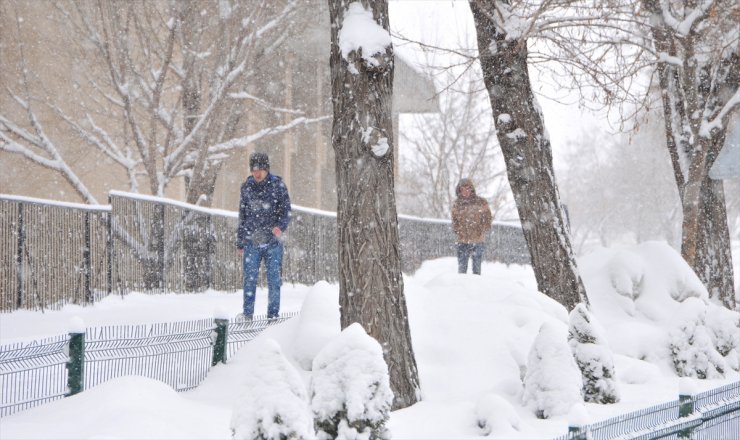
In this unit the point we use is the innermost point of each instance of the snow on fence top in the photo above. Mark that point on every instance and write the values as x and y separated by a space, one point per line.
57 203
172 202
213 211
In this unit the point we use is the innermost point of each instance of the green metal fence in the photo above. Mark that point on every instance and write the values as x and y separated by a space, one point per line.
32 373
714 414
179 354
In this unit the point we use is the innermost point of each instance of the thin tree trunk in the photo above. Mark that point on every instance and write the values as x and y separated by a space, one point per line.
370 281
526 149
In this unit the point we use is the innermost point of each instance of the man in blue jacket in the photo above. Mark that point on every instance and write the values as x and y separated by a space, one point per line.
264 214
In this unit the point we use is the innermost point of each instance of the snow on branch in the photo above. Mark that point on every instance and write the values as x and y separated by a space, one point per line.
684 27
241 142
670 59
264 104
52 160
707 126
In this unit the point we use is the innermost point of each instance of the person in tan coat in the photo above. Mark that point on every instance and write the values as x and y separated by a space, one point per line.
471 221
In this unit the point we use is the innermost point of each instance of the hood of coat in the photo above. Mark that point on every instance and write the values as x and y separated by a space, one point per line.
465 182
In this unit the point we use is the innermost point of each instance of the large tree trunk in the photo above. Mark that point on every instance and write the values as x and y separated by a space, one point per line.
526 149
713 262
370 281
689 93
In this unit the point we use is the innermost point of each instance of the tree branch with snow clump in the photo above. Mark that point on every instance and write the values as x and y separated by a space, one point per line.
350 389
274 402
593 356
163 88
553 382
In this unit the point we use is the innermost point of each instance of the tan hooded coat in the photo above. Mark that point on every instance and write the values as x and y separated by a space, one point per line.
471 217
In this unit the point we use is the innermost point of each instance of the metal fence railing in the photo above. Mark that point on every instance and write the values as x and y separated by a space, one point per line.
713 414
32 373
240 331
52 253
179 354
55 253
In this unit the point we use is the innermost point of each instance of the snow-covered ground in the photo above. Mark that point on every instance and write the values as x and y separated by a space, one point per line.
472 338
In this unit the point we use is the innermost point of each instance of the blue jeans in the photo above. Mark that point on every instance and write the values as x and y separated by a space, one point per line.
465 251
253 256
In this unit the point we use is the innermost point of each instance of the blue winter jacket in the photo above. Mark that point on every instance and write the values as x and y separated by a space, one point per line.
262 206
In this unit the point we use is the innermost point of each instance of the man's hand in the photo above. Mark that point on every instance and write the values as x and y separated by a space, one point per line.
277 232
241 251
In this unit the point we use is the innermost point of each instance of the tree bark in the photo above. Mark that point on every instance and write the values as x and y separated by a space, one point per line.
370 280
689 93
526 148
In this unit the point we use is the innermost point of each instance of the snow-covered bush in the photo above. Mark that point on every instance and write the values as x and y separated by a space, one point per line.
350 388
274 402
496 416
692 347
553 381
725 327
627 274
317 324
593 357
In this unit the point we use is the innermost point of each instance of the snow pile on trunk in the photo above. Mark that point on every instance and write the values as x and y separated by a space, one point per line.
360 32
273 404
350 389
593 356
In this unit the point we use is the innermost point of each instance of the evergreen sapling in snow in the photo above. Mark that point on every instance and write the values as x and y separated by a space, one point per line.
274 402
725 327
692 344
350 389
553 382
593 356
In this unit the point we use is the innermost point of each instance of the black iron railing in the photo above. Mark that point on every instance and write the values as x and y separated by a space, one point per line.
53 253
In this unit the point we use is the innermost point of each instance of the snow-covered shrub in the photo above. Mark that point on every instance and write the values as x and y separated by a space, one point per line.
627 273
553 381
350 388
725 327
686 287
692 348
593 357
317 324
496 416
274 402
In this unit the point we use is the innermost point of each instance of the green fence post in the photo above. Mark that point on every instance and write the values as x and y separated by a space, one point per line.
577 432
76 363
219 348
685 409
